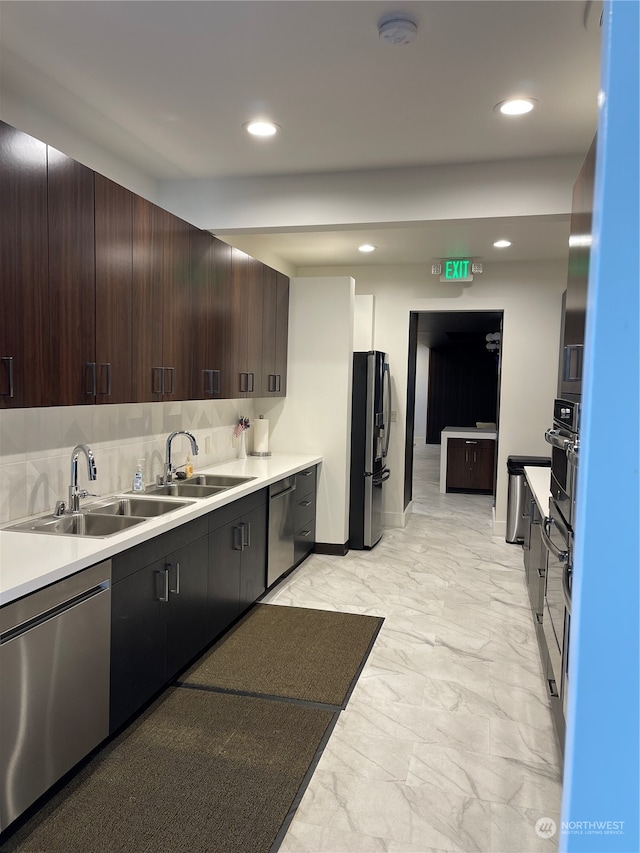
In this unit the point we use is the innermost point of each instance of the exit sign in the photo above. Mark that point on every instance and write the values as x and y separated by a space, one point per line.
456 269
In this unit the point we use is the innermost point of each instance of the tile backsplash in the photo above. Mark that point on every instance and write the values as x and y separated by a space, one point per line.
36 446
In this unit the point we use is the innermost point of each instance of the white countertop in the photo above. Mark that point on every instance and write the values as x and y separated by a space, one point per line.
464 432
539 480
29 561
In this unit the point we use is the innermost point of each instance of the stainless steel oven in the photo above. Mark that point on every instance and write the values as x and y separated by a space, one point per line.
563 437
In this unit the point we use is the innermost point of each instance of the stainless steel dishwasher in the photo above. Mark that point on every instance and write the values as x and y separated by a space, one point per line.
281 542
54 702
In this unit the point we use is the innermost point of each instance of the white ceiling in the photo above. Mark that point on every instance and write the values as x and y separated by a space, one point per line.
167 86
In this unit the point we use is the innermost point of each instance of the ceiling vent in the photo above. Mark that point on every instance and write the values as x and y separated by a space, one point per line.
397 28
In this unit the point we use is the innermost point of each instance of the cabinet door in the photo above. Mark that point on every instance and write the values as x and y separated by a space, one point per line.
70 188
147 377
282 333
246 352
201 261
457 464
253 575
224 578
187 606
24 302
481 455
177 332
114 299
138 618
275 329
224 330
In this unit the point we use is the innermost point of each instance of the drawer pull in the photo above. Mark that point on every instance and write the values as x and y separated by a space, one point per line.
305 503
305 533
305 473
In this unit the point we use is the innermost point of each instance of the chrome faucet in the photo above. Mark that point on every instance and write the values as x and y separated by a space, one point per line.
169 470
74 492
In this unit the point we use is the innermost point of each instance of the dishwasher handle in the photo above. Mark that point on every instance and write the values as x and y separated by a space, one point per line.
282 488
561 556
47 615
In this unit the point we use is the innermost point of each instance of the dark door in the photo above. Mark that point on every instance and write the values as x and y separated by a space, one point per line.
187 610
24 284
253 577
72 280
147 310
176 329
246 316
138 619
114 297
224 577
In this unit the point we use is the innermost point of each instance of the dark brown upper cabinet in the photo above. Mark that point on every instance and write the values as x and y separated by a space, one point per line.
246 342
24 277
114 291
212 322
72 280
275 329
162 333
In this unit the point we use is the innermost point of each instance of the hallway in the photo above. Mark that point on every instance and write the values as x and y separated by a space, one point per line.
447 743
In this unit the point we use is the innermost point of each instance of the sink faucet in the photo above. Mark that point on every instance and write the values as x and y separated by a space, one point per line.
74 492
167 476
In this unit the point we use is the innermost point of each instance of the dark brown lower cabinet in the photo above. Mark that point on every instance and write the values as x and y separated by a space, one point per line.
470 465
304 514
158 615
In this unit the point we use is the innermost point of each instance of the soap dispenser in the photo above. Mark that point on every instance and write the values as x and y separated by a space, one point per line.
138 477
188 466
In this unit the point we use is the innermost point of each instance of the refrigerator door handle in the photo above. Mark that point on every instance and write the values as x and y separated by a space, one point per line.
381 477
386 396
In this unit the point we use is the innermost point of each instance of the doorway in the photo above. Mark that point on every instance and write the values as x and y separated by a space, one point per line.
453 376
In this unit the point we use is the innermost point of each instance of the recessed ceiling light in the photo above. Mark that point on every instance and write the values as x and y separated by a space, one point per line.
366 247
502 244
261 128
515 106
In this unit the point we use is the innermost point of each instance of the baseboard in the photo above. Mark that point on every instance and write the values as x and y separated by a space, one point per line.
499 527
331 549
396 519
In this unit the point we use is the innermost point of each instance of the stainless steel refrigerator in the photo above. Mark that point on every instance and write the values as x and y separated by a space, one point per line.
370 426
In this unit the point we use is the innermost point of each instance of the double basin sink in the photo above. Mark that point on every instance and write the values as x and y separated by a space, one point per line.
115 514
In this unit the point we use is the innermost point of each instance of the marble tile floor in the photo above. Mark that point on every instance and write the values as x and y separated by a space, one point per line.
447 743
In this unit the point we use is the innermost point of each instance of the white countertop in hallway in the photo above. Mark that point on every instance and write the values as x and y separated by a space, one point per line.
30 561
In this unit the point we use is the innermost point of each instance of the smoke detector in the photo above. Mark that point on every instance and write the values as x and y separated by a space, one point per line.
397 28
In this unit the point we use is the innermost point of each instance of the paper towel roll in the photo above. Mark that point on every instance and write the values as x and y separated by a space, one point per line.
261 435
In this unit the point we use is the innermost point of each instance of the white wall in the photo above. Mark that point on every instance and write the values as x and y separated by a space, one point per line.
422 378
315 416
363 324
530 296
520 188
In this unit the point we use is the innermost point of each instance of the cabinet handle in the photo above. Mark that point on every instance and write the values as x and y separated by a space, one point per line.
176 589
542 573
244 382
466 456
304 533
163 577
157 380
245 526
306 473
218 386
172 376
91 374
106 372
305 504
475 458
9 361
471 442
272 382
553 690
212 387
572 363
250 388
278 386
238 540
